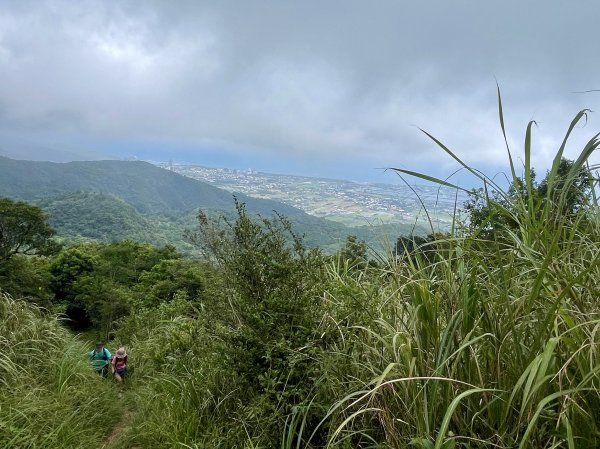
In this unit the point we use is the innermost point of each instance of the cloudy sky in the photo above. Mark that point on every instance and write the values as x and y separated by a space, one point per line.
329 88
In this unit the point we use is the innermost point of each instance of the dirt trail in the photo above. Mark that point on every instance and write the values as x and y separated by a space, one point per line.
119 430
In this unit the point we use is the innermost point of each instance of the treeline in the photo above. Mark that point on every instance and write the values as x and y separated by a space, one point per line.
95 284
486 336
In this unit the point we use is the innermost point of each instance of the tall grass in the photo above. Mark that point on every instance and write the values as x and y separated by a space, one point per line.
481 340
491 343
176 395
49 395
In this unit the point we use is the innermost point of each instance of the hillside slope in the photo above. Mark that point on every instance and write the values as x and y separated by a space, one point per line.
96 216
149 189
17 147
112 200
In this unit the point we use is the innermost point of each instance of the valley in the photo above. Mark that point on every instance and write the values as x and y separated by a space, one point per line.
346 202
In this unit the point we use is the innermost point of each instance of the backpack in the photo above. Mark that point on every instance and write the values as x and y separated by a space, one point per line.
124 360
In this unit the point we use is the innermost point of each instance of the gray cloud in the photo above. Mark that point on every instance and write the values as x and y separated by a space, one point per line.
337 80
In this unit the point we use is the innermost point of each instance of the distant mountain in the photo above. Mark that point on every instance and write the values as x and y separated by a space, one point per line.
82 216
145 187
113 200
23 149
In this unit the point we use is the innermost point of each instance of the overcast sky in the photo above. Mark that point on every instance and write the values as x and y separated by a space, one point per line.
328 88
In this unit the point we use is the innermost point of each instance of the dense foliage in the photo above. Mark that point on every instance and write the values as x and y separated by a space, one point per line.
567 188
486 336
96 284
23 230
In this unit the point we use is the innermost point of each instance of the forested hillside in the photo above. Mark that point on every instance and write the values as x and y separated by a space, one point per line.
147 188
88 216
95 215
114 200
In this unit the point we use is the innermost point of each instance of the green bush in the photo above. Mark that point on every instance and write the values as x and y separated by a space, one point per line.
27 277
228 368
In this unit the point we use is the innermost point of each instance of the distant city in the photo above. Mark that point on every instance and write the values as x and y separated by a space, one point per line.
347 202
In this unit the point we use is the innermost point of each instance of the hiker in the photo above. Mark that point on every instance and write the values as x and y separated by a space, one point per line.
100 358
119 365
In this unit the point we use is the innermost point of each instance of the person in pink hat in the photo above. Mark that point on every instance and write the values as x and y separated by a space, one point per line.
119 365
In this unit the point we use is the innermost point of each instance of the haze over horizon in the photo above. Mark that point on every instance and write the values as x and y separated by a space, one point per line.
332 89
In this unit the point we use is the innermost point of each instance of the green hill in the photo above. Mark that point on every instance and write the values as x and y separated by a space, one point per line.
114 200
147 188
95 216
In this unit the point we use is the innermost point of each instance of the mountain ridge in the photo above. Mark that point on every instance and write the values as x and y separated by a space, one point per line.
20 148
137 200
149 189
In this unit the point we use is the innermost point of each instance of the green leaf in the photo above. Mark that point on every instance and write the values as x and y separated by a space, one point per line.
441 438
429 179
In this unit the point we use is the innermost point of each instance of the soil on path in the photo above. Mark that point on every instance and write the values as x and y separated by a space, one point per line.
119 430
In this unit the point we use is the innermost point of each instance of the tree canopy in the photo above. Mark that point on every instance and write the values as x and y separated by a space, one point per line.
24 229
564 193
